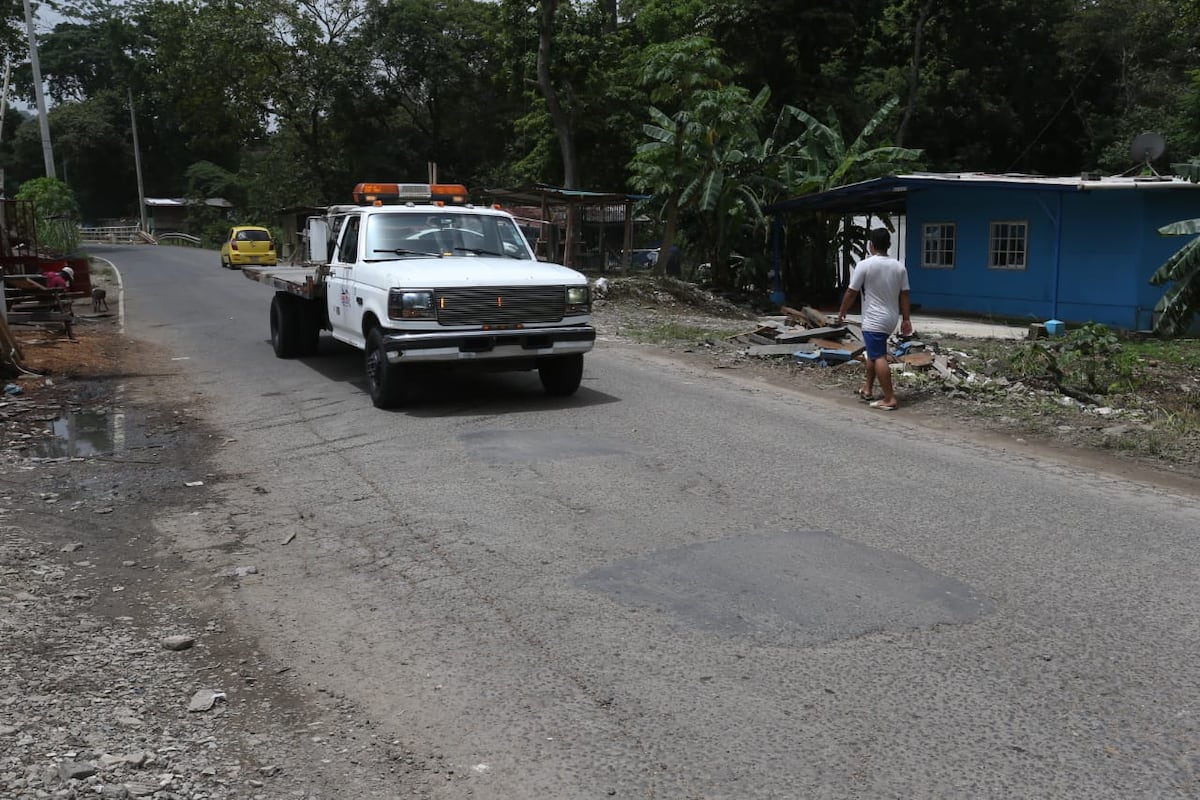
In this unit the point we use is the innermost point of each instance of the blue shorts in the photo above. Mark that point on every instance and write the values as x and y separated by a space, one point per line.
876 344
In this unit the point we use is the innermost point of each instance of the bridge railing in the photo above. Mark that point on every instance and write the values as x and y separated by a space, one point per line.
110 235
184 239
126 234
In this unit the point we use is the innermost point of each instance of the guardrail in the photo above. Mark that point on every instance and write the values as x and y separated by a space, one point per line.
184 239
110 235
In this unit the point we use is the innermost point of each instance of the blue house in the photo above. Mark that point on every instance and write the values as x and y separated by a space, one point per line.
1078 249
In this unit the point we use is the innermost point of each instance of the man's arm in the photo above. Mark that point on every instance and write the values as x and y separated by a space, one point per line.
848 301
905 313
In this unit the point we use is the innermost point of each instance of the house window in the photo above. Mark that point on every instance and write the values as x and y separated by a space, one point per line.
937 245
1008 244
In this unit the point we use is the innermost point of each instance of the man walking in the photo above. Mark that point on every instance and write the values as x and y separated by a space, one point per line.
883 283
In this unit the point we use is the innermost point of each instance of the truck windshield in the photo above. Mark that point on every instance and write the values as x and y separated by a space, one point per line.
443 234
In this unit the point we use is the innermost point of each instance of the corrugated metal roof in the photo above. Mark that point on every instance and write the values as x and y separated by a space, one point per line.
534 195
889 194
178 202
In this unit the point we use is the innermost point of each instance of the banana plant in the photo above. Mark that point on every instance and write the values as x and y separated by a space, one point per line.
1177 307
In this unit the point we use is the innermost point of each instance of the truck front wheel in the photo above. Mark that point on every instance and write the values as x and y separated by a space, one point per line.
561 374
295 331
384 379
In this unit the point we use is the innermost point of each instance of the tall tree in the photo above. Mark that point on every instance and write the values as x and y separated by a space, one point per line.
547 11
689 80
1126 65
430 96
981 82
822 159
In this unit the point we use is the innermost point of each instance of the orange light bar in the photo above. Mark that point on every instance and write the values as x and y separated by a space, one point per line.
381 193
449 192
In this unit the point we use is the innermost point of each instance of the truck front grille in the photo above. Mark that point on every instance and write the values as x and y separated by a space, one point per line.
500 305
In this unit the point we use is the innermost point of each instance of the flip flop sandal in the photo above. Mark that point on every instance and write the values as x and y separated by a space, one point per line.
866 398
879 404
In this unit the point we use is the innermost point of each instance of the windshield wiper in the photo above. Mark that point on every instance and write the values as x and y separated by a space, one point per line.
400 251
475 251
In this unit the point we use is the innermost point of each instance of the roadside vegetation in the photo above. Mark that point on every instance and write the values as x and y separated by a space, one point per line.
711 108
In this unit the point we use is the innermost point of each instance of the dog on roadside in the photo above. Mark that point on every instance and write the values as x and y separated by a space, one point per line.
99 300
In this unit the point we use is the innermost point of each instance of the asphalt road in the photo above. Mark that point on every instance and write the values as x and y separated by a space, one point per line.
679 584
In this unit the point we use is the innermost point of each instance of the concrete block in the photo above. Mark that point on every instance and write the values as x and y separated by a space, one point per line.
836 356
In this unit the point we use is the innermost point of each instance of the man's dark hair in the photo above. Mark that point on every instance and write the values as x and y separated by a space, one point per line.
881 240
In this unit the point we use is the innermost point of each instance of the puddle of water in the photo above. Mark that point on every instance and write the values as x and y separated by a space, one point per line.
82 433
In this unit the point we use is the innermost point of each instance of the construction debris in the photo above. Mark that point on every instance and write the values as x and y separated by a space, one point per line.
812 338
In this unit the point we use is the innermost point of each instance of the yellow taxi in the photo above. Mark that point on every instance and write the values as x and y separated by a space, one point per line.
248 245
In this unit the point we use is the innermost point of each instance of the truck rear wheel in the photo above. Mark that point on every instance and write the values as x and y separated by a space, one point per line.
385 381
561 375
295 331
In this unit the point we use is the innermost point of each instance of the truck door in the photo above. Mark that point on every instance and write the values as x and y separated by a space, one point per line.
345 316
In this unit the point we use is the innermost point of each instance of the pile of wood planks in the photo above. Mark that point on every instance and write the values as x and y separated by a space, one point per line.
806 335
812 337
29 302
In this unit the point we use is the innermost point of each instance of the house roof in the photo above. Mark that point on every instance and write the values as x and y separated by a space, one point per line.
596 207
889 194
534 195
179 202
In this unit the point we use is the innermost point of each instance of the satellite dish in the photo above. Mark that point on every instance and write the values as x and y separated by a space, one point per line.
1147 147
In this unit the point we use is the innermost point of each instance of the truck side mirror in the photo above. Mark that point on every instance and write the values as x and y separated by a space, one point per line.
318 240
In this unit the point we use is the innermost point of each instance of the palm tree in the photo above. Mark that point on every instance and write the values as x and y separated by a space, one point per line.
1177 307
821 160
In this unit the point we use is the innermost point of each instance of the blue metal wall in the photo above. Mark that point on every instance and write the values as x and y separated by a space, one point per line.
1090 254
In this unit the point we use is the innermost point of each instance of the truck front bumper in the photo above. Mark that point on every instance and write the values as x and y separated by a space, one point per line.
454 346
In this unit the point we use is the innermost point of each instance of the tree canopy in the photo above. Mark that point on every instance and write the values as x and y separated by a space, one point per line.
712 106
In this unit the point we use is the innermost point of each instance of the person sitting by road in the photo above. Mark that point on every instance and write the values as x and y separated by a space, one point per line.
60 279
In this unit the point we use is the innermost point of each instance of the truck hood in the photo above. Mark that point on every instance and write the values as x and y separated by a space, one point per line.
459 271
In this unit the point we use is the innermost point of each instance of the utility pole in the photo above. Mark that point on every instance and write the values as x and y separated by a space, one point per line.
3 113
44 121
137 164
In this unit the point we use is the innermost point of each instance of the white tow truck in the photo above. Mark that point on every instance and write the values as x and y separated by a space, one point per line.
414 275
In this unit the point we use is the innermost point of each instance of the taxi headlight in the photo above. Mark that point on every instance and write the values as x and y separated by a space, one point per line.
579 299
410 305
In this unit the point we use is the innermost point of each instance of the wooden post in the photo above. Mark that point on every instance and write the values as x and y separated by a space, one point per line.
11 347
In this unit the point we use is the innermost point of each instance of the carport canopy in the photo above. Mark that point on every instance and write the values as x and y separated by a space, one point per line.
573 200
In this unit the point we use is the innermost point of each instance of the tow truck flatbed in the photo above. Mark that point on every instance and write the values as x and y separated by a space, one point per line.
303 281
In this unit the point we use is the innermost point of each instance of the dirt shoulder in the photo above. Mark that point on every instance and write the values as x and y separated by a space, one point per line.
121 672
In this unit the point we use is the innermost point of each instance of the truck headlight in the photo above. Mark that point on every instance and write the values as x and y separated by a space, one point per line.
579 299
410 305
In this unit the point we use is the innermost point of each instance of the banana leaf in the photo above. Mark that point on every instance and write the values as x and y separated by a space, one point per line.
1177 307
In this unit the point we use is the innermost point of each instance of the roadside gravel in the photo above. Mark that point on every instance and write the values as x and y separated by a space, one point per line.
120 673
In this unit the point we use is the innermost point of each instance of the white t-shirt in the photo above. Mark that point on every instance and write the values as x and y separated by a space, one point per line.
880 279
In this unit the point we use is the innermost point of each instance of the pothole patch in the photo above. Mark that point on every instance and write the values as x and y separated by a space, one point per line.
522 447
795 588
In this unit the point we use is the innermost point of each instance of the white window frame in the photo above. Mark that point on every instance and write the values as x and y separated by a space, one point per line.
1014 248
947 244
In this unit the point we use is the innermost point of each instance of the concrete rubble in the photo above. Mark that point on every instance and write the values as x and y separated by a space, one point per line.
813 338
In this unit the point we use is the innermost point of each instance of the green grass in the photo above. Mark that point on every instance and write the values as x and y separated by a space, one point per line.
1181 352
